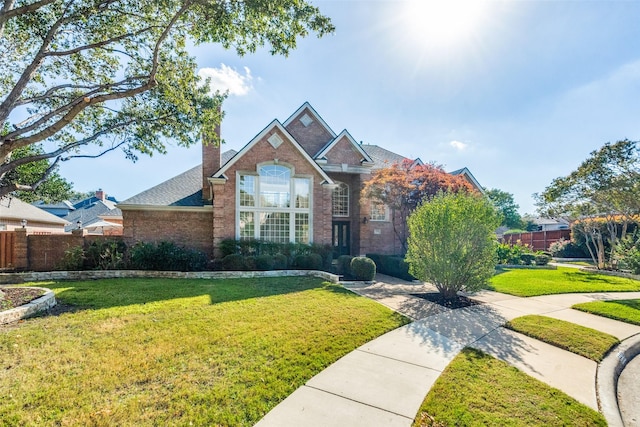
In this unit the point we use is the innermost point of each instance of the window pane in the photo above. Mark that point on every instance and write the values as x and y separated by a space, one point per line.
247 225
302 228
302 187
340 200
274 226
378 211
275 185
247 190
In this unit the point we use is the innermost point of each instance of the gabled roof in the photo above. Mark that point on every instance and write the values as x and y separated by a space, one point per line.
91 213
273 125
15 209
314 113
382 157
323 152
467 173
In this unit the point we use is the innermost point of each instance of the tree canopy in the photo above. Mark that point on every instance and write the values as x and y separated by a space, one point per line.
507 206
403 186
602 196
85 77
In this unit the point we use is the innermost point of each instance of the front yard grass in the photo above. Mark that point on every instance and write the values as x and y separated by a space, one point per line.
478 390
624 310
178 352
527 283
577 339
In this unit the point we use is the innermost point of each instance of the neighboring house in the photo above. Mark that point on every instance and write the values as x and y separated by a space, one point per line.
97 214
551 224
60 209
295 181
14 213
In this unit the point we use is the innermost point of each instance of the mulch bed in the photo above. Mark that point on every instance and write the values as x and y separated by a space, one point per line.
15 297
458 302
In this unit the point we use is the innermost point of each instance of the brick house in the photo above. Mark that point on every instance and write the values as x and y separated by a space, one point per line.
295 181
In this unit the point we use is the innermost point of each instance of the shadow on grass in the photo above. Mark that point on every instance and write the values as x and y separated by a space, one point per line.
99 294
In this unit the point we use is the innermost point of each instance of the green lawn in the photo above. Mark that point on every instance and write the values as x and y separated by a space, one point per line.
624 310
478 390
527 283
577 339
178 352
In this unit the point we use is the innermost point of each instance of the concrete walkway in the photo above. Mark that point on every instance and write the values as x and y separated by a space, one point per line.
385 381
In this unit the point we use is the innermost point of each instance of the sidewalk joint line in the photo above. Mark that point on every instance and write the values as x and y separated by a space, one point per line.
401 361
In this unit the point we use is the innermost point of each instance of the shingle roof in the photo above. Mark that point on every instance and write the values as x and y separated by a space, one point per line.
181 190
381 157
91 213
13 208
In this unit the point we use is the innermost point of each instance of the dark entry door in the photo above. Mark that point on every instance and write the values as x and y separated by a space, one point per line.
341 238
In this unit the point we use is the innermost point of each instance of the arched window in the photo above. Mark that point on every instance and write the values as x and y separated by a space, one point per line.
273 205
340 200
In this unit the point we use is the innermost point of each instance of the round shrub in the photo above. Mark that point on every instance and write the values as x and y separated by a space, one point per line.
264 262
363 268
542 259
250 263
343 265
303 262
527 259
315 262
279 262
233 262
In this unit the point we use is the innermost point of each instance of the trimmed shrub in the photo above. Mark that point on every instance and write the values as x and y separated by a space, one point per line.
391 265
264 262
363 268
542 259
72 260
567 249
233 262
343 265
250 263
228 247
279 262
527 259
105 255
315 261
301 262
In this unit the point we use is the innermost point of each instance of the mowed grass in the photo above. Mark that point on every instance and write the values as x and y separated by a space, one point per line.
527 283
624 310
577 339
479 390
178 352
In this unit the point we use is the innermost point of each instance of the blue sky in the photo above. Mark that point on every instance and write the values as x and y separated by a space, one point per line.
520 92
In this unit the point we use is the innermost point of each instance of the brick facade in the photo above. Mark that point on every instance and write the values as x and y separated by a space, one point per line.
185 227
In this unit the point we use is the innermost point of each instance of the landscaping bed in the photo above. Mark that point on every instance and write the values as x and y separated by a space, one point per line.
15 297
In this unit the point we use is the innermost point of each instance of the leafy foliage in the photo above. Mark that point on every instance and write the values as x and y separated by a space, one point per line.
166 256
403 186
603 193
392 266
363 268
452 242
93 76
627 253
507 206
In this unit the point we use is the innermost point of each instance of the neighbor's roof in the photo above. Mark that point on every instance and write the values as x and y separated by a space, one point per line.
182 190
91 213
16 209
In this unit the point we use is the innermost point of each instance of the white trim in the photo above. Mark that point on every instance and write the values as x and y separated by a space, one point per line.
344 134
206 208
466 172
350 169
273 125
314 113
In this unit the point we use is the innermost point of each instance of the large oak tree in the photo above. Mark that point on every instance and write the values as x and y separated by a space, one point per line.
85 77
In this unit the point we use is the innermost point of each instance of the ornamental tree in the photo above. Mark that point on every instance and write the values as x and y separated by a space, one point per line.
452 242
602 196
403 186
85 77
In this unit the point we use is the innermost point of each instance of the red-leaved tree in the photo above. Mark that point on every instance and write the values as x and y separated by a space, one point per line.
403 186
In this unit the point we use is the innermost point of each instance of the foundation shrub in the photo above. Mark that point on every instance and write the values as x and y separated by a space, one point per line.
391 265
166 256
280 262
363 268
343 265
264 262
233 262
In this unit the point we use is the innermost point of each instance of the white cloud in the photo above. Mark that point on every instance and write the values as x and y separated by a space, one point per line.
460 146
226 78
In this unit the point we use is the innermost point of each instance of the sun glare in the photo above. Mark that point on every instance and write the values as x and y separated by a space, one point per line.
442 23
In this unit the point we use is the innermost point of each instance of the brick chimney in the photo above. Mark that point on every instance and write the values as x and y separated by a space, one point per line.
211 159
100 195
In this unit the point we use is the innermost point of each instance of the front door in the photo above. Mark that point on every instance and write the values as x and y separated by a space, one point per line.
341 238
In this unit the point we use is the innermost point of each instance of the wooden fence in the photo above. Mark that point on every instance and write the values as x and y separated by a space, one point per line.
7 249
538 240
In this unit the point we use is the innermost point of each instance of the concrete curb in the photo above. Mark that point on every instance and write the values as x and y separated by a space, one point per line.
607 375
36 306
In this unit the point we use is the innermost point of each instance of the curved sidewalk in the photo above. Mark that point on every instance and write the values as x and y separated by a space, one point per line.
385 381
